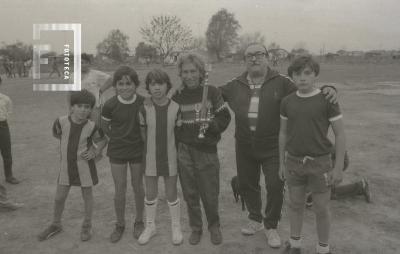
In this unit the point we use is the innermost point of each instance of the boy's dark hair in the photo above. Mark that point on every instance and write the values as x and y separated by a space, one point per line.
300 63
158 76
82 97
125 71
86 57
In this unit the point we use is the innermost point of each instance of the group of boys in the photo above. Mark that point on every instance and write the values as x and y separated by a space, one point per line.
285 138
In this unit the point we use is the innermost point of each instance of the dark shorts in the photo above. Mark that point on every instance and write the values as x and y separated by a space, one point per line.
125 161
308 172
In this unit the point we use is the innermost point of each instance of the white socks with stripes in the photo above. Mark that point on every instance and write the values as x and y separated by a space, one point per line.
150 230
175 210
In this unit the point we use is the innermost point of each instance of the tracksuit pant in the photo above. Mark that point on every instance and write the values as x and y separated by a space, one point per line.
199 177
249 165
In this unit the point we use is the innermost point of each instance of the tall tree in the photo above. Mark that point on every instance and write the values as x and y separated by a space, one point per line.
145 50
222 32
114 46
18 51
246 39
167 33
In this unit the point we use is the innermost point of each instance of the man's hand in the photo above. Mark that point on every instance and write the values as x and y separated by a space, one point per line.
147 101
335 176
330 94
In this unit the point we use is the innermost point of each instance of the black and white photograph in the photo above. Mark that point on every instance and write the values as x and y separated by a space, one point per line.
199 127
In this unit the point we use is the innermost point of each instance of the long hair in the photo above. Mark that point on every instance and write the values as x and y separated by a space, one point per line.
194 59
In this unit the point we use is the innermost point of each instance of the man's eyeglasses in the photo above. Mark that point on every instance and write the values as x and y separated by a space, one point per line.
257 55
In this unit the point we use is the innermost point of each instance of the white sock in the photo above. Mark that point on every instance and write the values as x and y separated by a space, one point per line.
322 249
295 243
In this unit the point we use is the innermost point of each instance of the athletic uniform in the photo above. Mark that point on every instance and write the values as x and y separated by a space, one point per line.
74 140
126 144
308 147
160 150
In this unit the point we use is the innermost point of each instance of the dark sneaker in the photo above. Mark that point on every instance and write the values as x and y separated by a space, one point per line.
289 250
365 190
309 201
49 232
195 237
138 228
215 235
12 180
86 232
116 235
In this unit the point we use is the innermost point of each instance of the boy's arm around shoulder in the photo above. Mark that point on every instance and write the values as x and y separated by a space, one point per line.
222 116
57 129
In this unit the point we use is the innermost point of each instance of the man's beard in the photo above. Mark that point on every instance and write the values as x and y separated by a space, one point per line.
257 73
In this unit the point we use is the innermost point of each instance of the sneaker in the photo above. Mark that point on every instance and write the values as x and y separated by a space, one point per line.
8 205
49 232
365 190
274 241
147 234
215 235
289 250
195 237
309 201
252 227
86 232
138 228
116 235
12 180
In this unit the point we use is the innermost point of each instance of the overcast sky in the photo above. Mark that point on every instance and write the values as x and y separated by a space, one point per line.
335 24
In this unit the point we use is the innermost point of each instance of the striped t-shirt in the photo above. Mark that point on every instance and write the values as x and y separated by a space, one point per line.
160 151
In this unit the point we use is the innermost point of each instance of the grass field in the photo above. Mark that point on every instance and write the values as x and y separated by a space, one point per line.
369 97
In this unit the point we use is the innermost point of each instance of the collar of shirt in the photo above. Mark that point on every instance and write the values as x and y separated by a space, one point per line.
253 84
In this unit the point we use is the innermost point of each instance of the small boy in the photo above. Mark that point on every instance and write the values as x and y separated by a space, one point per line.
80 142
304 151
5 140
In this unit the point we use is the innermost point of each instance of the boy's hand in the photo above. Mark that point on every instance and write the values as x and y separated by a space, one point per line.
89 154
335 176
282 172
330 94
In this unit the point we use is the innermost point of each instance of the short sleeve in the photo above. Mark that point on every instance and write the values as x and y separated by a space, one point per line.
57 129
142 116
97 134
334 112
106 112
9 106
283 109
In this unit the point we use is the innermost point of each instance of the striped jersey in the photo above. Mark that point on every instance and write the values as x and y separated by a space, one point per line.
74 140
160 150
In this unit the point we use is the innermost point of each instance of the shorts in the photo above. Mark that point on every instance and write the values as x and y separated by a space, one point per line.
125 161
308 172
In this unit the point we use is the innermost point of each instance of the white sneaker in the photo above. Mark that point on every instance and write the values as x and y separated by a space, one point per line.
274 241
252 227
177 237
148 233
